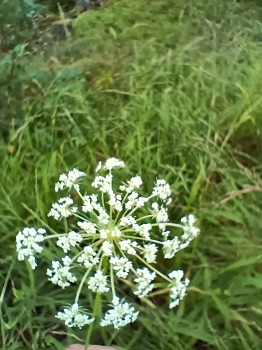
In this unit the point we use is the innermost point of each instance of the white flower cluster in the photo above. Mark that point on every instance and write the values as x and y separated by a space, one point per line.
71 240
120 315
178 292
73 317
61 275
144 282
69 180
63 208
98 283
27 244
116 234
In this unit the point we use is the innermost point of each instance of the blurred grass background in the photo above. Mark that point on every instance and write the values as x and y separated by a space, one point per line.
174 89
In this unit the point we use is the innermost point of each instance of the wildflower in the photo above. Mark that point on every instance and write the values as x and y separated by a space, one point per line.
103 183
27 244
112 163
120 315
177 292
98 283
128 246
72 239
107 248
114 237
69 180
103 217
73 317
189 228
121 265
129 221
115 202
88 227
63 208
144 279
61 275
162 190
144 230
171 247
88 257
150 251
90 203
131 185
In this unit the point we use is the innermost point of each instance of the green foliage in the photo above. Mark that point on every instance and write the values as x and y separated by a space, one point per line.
175 91
16 18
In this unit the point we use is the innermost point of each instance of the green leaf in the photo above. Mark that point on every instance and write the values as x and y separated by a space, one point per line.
243 263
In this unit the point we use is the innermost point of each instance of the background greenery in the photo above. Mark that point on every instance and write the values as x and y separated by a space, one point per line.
174 89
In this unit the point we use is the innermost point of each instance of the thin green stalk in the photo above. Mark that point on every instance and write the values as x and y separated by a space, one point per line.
82 283
169 224
143 239
112 280
94 314
1 303
155 270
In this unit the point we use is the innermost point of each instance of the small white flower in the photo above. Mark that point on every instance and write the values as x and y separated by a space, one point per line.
99 167
165 234
112 163
98 283
120 315
162 190
189 228
177 292
128 246
129 221
161 215
144 279
63 208
88 257
88 227
27 244
115 201
103 183
73 317
72 239
104 232
150 251
121 265
133 200
107 248
177 275
144 230
133 184
90 203
69 180
61 275
171 247
116 232
103 217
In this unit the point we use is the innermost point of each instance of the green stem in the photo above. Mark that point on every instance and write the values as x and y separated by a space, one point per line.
1 304
89 333
143 239
103 200
38 218
82 283
145 217
112 280
80 217
152 268
55 236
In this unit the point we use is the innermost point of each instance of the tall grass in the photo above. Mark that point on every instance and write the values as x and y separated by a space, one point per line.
175 91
